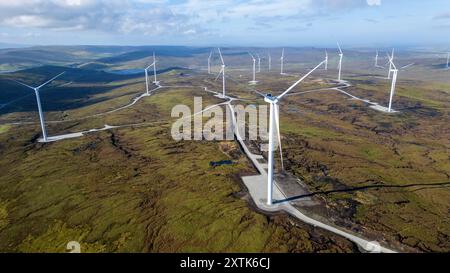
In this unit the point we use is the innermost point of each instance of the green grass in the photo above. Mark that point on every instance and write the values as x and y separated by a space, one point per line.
4 128
135 189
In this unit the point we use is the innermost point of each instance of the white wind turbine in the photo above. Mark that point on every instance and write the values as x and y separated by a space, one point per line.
146 76
154 68
259 62
38 100
376 59
341 55
253 81
282 62
448 59
222 71
391 60
394 71
270 61
209 62
326 59
274 121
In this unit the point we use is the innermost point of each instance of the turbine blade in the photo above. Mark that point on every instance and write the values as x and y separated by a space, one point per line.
47 82
277 121
300 80
340 50
221 58
150 65
259 93
218 75
407 66
21 83
251 55
391 62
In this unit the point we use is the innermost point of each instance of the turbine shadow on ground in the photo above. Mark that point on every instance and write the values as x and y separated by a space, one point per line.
363 188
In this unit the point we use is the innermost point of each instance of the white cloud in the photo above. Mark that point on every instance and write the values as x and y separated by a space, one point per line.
153 17
125 16
373 2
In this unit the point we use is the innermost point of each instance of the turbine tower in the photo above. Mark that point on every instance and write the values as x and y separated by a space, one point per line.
394 81
274 121
222 71
270 61
341 55
154 68
448 59
282 62
259 62
38 100
253 81
209 62
146 76
376 59
326 59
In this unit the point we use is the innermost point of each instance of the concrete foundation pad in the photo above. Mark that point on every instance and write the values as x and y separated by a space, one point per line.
383 109
74 135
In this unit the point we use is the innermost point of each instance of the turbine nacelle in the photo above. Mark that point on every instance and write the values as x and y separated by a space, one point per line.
270 99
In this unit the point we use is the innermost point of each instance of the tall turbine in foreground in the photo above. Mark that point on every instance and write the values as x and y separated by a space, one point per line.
253 81
38 100
154 68
282 62
274 121
341 55
394 81
209 62
222 71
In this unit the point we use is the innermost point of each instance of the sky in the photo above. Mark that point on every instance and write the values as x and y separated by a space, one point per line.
226 22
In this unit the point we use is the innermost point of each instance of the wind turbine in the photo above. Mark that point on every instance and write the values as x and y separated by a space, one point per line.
270 61
448 59
274 121
326 59
253 82
391 60
282 62
394 71
146 76
376 59
259 62
154 68
209 62
38 100
341 55
222 71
